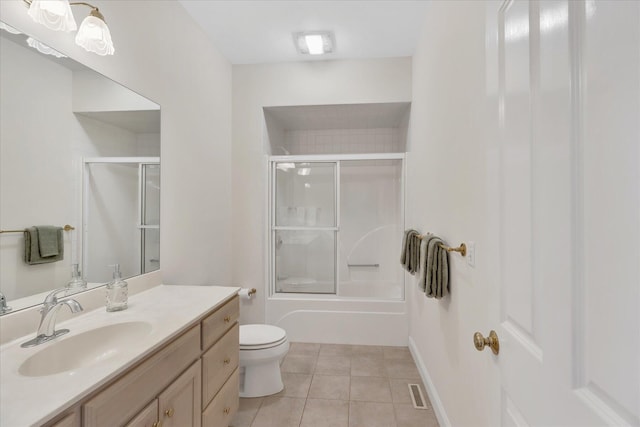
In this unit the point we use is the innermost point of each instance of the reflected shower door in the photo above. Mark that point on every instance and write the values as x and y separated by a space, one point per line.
150 217
121 217
110 219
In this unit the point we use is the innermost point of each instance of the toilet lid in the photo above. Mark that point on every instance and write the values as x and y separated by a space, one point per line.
252 336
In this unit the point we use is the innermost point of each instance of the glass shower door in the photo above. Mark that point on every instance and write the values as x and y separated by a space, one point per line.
304 227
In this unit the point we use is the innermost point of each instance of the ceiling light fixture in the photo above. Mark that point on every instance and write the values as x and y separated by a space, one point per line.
314 42
93 35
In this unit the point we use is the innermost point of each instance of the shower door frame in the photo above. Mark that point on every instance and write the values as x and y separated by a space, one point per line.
272 228
141 162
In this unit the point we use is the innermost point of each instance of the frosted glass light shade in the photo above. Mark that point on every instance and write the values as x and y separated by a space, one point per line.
94 35
8 28
53 14
43 48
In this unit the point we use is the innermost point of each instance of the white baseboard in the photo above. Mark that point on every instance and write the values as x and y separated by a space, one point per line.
438 408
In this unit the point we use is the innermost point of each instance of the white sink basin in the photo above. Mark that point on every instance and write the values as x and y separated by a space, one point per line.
84 349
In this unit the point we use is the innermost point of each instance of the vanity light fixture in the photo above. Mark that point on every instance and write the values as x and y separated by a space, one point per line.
314 42
54 14
93 35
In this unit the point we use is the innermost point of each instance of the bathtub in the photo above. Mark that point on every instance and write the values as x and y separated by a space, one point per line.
339 319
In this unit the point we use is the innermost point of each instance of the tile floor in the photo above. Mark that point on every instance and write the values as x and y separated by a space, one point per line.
328 385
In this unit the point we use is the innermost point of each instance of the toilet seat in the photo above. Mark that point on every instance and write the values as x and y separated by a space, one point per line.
259 337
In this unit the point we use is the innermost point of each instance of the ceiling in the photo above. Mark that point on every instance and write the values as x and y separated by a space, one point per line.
251 32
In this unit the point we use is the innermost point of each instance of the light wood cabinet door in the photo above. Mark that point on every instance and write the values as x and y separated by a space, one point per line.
148 417
224 406
179 404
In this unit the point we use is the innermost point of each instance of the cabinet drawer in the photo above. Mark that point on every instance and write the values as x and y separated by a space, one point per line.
216 324
224 406
218 363
123 399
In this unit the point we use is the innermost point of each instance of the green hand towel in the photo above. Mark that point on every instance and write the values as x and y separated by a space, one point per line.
32 254
48 240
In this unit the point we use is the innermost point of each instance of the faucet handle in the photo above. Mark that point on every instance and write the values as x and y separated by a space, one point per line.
3 304
52 297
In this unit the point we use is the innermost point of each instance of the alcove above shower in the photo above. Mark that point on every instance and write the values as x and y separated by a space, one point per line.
336 199
337 129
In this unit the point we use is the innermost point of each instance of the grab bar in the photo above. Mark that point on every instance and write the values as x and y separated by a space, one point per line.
363 265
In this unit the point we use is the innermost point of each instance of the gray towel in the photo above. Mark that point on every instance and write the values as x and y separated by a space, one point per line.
410 256
48 240
442 270
33 248
434 274
425 267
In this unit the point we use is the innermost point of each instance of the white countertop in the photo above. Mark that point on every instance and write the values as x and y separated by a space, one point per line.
171 310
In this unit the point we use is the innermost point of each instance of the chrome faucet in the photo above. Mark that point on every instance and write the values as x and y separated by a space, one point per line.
3 304
50 306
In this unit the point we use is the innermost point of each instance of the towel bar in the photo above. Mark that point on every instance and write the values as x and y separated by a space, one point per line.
363 265
65 228
462 249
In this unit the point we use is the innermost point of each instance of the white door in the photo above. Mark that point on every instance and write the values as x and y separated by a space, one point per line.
569 114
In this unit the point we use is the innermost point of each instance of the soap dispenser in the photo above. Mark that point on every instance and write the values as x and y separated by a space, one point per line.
76 283
117 291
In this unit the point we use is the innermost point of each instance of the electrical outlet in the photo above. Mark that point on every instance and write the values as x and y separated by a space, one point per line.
471 254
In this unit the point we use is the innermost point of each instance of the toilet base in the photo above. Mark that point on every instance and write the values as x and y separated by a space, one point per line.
261 380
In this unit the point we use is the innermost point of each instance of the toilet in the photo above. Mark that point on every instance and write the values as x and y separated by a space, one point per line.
262 347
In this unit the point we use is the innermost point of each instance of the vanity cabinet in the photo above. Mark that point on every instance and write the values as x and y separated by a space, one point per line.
191 381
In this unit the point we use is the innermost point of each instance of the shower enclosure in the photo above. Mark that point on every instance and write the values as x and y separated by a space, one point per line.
336 226
121 216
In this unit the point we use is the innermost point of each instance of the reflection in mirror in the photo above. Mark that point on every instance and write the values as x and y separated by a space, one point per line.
121 216
75 148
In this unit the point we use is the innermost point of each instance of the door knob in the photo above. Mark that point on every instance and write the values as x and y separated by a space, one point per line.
491 341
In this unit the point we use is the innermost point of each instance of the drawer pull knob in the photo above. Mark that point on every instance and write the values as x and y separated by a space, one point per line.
226 411
169 412
156 424
227 319
227 361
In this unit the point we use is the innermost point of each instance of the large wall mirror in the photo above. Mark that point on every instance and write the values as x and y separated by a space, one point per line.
76 149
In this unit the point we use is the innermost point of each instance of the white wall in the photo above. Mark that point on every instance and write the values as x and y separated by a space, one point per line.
303 83
163 55
448 193
93 92
344 141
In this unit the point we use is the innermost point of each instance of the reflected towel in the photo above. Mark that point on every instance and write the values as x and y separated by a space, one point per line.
33 253
48 240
